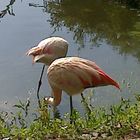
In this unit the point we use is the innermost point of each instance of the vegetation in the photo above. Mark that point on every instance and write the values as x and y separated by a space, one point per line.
121 121
8 9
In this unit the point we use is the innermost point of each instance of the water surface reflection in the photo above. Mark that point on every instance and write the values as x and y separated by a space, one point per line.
8 9
96 30
97 21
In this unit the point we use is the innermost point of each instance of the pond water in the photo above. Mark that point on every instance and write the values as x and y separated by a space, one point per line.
100 31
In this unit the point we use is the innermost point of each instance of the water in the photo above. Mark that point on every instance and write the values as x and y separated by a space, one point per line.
102 32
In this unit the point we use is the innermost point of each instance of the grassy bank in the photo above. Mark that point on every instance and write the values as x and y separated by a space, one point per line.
121 121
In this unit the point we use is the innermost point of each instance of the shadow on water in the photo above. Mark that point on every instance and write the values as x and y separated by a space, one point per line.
97 21
129 3
94 22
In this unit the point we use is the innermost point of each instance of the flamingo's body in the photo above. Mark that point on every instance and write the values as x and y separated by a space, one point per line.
73 75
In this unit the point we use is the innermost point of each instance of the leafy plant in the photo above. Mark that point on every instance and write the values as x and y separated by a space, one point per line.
121 121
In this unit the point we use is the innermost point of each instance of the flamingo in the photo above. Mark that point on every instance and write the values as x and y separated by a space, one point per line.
70 74
46 52
73 75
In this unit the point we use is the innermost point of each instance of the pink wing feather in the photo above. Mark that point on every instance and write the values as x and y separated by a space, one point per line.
98 76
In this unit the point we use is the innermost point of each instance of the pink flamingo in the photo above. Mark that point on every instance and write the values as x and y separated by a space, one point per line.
71 74
46 52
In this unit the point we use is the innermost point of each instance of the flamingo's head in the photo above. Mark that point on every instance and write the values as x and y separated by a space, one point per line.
48 50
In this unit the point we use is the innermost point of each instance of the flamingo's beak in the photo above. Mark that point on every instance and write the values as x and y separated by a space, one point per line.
37 58
36 54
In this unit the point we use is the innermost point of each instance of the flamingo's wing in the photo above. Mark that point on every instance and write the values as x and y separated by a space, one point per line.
91 74
73 75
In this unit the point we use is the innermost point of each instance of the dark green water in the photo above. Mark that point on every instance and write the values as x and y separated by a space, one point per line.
101 31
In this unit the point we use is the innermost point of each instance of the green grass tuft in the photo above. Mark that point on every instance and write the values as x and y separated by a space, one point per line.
121 121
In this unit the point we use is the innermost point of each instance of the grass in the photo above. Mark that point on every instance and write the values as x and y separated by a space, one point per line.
121 121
